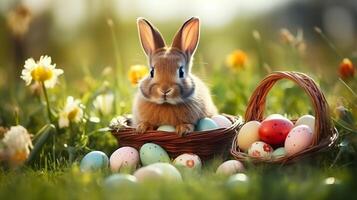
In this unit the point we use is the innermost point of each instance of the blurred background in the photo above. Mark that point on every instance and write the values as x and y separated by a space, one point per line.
95 42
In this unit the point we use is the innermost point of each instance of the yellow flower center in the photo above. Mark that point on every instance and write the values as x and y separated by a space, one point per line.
72 115
41 74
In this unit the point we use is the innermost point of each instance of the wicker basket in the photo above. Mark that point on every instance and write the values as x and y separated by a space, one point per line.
206 144
325 134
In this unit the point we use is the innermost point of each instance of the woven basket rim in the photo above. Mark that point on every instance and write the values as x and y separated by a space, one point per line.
202 143
325 134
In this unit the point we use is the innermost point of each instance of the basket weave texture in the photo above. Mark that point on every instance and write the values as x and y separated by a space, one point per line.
205 144
325 134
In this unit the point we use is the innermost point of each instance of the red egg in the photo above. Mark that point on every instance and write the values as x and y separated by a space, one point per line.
275 131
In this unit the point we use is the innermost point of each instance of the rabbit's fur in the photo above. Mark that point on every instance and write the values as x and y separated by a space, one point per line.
170 94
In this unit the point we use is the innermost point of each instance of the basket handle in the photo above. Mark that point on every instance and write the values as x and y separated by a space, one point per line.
256 104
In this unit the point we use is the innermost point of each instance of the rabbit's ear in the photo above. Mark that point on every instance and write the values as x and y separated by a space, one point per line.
187 37
150 37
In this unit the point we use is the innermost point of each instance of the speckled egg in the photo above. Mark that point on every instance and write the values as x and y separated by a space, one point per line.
307 120
205 124
124 157
221 121
188 160
260 150
166 128
274 131
94 160
279 152
152 153
230 167
248 134
117 180
298 139
148 174
169 172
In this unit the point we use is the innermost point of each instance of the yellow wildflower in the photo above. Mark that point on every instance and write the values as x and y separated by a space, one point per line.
237 59
136 73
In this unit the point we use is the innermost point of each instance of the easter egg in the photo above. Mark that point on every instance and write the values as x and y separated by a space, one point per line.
94 160
298 139
230 167
117 180
206 124
124 157
248 134
188 160
166 128
148 174
274 131
221 121
279 152
153 153
307 120
260 150
239 183
274 116
169 172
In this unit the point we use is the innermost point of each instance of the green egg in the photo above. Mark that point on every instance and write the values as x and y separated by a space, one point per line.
152 153
279 152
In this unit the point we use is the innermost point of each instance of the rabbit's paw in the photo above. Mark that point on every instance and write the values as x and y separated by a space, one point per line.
143 127
183 129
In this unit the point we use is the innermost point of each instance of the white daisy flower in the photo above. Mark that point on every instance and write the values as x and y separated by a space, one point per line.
104 103
17 144
41 71
72 112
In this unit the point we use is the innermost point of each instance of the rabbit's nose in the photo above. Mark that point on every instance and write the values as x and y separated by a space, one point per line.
165 91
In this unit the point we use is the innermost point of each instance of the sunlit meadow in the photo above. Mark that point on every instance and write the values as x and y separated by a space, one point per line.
68 68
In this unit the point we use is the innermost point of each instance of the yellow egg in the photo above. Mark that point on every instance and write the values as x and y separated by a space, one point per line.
248 134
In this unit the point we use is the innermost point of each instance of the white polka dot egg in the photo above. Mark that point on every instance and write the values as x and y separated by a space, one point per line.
260 150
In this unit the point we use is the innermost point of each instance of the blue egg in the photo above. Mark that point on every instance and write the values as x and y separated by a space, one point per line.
206 124
239 180
93 161
117 180
166 128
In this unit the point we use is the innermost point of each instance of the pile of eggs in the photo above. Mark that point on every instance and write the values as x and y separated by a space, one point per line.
154 161
204 124
259 138
155 165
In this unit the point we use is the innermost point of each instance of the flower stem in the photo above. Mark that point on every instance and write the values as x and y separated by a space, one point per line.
47 102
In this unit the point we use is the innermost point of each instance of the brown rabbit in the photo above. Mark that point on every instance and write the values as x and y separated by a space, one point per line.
170 94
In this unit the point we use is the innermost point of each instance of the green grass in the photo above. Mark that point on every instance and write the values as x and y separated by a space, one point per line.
298 181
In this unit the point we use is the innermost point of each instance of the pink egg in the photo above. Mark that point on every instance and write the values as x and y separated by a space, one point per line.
124 157
298 139
221 121
260 150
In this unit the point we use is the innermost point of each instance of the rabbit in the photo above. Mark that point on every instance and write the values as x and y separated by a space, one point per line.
171 94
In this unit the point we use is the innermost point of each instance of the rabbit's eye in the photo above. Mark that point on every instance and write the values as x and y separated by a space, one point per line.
181 72
152 72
